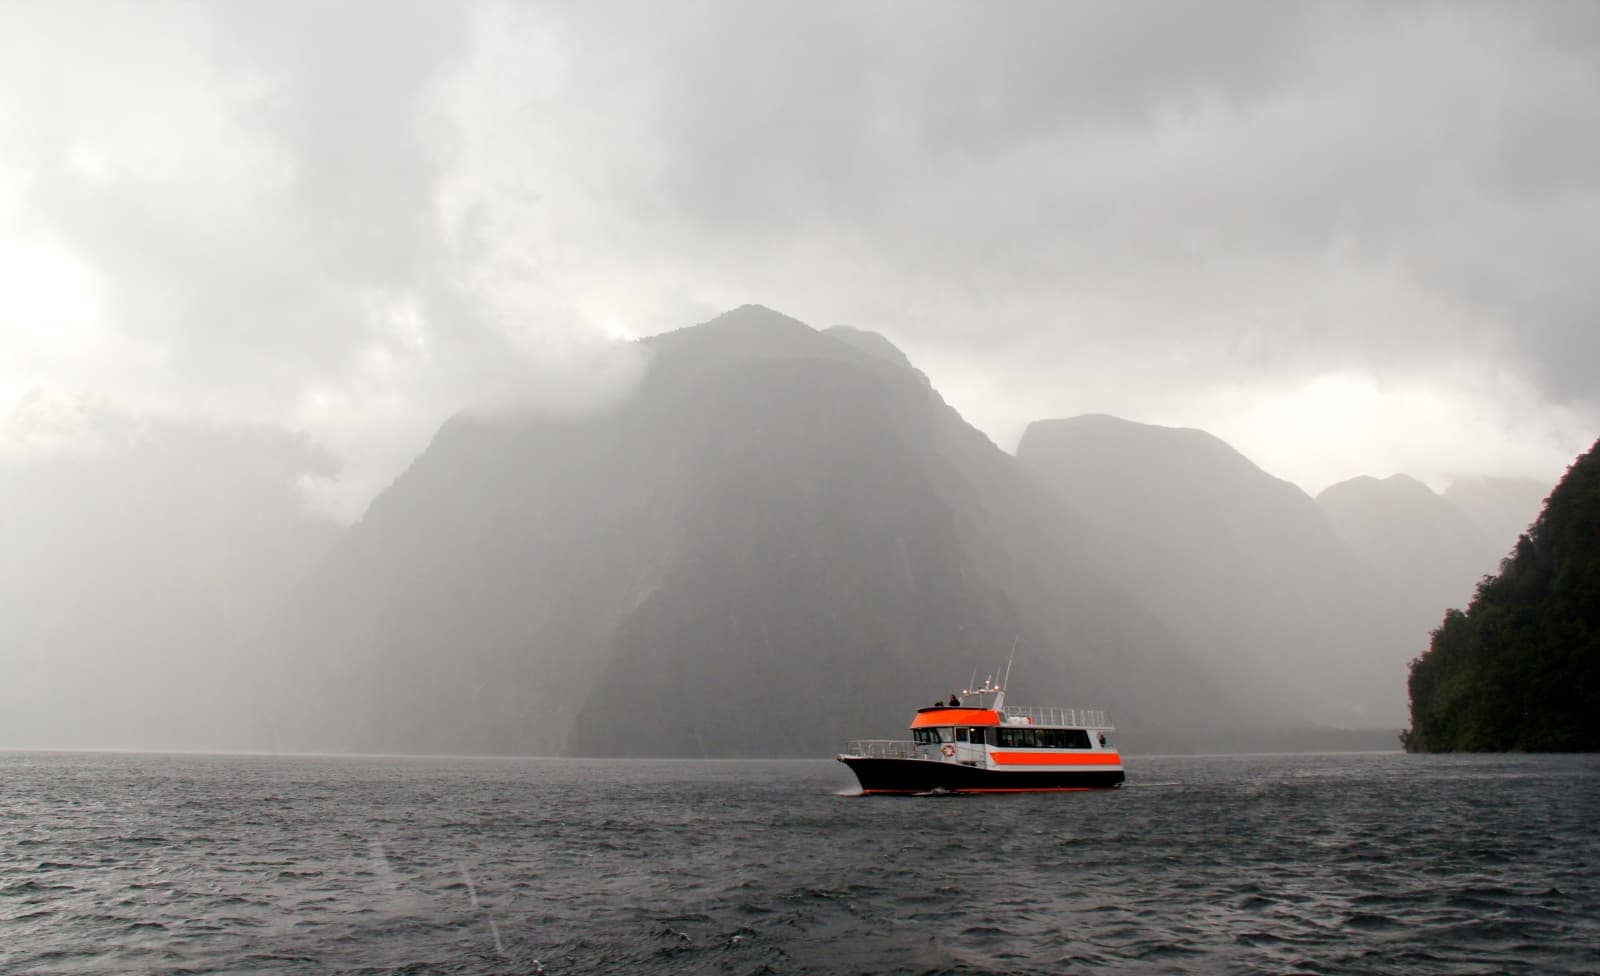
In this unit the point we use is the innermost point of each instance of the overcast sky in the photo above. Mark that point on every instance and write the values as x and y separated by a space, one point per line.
1347 239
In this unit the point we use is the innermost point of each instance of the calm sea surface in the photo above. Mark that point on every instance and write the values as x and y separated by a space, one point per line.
1364 863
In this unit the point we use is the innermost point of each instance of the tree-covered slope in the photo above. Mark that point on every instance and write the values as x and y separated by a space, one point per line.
1520 669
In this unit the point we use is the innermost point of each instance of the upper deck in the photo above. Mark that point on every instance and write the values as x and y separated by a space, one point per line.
1051 717
1073 718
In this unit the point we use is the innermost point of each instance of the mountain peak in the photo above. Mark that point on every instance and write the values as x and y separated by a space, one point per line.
758 316
749 330
1411 535
1396 486
1116 439
757 332
1106 423
749 319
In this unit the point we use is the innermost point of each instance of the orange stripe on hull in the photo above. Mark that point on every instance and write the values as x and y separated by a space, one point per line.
1056 758
956 716
998 789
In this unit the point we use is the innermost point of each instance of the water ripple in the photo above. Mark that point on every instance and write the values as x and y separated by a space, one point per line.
1317 864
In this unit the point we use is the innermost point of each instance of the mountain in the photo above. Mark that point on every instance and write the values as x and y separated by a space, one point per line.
1425 548
781 539
1520 668
1502 508
1245 564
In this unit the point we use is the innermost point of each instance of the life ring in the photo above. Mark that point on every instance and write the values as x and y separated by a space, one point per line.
948 750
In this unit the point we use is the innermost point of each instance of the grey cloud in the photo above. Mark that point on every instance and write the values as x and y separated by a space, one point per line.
348 100
283 270
289 258
1189 148
400 207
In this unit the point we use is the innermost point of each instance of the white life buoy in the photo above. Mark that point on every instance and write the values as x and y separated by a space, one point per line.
948 750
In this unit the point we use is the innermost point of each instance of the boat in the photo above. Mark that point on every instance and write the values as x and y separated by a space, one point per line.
987 746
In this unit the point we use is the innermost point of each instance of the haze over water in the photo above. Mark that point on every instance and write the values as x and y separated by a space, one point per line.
1373 863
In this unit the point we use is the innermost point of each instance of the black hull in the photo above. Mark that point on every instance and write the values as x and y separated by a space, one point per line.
926 776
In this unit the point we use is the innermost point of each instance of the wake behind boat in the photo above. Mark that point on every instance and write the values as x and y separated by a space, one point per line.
990 747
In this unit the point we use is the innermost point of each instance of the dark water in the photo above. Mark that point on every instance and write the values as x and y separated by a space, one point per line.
1336 863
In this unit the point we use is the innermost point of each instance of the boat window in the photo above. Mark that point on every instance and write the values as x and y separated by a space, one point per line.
977 735
1042 738
961 735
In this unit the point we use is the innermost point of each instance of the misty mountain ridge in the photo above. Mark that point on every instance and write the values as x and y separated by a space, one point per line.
1414 539
1243 563
1502 508
785 537
778 541
788 529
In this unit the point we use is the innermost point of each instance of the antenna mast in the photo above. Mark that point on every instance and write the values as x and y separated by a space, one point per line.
1000 693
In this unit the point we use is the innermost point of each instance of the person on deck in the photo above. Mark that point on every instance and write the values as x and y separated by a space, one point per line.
954 701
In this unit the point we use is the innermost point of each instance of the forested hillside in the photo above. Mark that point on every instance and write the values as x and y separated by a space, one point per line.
1520 668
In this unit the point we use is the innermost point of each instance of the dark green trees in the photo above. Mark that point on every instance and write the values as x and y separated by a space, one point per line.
1520 669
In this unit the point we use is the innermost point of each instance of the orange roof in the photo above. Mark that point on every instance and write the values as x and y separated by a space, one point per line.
955 716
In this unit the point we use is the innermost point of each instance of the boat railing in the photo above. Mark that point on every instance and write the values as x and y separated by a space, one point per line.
881 748
1087 718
